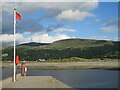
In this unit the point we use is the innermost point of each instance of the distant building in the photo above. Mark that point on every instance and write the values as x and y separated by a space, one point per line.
40 60
4 55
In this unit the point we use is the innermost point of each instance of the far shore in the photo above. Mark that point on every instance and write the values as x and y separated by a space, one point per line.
65 65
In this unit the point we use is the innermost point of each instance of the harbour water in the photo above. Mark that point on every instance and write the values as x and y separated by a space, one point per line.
91 78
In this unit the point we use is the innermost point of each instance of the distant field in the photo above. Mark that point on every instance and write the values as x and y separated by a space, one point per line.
76 59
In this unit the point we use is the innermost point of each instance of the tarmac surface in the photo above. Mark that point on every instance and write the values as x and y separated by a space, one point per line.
33 82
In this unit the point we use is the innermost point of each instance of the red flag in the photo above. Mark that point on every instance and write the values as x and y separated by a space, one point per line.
18 16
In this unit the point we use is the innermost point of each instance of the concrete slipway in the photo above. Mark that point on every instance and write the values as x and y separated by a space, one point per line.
33 82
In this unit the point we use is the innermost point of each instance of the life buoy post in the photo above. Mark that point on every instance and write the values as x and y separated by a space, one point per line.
17 60
25 71
23 68
16 63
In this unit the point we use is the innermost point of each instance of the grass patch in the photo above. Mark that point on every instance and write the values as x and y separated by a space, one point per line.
77 59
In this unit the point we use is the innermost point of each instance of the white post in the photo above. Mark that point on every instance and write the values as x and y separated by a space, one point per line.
14 76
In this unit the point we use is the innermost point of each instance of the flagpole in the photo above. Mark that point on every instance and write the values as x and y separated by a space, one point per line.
14 79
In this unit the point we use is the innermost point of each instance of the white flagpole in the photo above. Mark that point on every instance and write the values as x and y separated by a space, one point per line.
14 79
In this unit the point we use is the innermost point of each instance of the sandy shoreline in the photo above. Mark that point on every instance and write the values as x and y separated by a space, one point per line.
66 65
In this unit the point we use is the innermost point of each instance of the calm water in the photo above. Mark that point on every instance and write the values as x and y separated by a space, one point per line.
77 78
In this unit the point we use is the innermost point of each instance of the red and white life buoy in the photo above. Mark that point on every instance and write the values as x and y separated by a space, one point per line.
25 69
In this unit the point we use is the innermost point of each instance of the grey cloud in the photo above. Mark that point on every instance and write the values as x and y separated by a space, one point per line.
7 43
111 26
52 8
52 27
59 25
111 22
26 25
32 6
7 25
30 25
49 13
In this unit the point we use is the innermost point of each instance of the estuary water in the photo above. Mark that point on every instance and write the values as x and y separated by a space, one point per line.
90 78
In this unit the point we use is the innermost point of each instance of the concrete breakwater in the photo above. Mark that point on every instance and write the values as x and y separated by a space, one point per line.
33 82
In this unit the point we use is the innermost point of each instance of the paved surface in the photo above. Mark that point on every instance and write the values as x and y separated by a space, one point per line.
33 82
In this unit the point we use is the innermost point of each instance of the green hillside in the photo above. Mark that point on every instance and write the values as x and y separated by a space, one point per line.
82 48
77 43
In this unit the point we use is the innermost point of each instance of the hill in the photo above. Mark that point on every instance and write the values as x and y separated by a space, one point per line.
82 48
77 43
33 44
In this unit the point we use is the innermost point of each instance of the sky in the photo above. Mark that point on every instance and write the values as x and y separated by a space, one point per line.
46 22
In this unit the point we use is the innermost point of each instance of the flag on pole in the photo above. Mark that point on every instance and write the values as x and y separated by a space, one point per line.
18 16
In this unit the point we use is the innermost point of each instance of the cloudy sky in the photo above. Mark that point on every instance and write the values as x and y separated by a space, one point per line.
47 22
